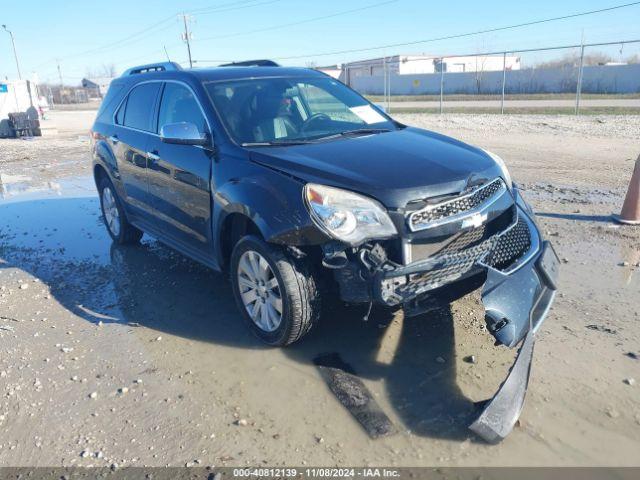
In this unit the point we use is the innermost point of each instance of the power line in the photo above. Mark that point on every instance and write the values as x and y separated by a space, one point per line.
153 29
308 20
461 35
222 10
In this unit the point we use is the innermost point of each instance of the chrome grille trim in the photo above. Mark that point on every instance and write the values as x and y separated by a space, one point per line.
514 247
506 251
457 208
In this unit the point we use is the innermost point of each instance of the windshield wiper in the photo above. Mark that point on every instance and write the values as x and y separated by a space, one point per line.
275 143
364 131
355 132
300 141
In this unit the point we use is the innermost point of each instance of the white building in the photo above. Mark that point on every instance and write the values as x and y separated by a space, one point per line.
418 64
334 71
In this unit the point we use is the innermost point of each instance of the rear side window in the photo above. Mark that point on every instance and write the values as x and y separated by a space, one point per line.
120 114
140 106
110 102
179 105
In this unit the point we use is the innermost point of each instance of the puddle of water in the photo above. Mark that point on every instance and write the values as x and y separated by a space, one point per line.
57 236
20 188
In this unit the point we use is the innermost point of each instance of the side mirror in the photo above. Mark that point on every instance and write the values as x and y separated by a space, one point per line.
182 133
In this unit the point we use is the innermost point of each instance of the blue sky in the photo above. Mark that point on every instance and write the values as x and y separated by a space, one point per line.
85 35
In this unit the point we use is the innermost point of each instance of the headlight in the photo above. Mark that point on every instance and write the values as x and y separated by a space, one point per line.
347 216
505 172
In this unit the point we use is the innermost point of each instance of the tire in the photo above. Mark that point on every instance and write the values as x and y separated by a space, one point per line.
288 279
115 220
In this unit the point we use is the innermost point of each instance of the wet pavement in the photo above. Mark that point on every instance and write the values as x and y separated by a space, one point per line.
53 233
177 377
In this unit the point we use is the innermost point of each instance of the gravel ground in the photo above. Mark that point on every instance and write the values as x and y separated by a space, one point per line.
606 126
137 356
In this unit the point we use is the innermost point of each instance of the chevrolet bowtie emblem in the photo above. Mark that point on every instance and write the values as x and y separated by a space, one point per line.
474 221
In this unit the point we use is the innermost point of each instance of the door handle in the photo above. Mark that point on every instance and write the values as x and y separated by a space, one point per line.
114 139
154 157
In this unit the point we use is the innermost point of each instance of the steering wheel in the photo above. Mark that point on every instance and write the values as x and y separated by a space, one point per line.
314 118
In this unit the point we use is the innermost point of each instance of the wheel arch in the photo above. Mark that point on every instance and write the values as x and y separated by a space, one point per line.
234 226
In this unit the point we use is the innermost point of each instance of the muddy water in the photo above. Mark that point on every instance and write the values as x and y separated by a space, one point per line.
131 297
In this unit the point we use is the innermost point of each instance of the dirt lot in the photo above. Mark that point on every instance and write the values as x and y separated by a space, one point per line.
137 356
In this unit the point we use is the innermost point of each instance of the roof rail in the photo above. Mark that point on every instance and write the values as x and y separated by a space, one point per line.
153 67
252 63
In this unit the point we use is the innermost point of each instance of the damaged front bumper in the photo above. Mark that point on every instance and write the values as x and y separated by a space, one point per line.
521 275
521 282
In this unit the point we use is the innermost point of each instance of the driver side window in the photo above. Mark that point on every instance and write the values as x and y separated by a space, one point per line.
179 105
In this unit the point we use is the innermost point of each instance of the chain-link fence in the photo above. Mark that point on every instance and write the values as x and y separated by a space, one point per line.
598 77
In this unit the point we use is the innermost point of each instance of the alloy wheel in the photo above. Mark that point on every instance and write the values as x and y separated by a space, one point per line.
110 211
260 291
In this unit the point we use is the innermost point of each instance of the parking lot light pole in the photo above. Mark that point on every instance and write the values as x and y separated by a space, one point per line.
15 54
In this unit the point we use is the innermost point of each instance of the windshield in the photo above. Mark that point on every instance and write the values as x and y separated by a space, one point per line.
290 110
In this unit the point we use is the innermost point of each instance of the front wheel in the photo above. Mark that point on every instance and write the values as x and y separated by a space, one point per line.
275 292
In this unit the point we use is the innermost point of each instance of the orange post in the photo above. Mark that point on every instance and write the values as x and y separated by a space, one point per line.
630 214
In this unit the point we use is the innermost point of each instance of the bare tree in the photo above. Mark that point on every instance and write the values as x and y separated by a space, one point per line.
633 59
573 59
480 72
105 70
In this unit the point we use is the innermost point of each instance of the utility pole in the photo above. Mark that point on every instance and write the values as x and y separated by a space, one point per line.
580 73
15 53
186 35
59 73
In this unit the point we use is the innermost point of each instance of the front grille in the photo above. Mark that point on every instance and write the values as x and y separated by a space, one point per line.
451 266
464 203
510 247
502 251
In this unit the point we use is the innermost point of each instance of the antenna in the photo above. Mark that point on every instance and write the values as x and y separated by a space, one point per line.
166 53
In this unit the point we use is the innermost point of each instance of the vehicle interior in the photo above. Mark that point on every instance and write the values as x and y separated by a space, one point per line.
274 110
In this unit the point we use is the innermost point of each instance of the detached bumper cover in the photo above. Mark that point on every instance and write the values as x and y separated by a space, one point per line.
517 296
517 303
502 412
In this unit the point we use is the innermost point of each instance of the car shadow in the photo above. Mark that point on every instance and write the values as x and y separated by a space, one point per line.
576 217
152 286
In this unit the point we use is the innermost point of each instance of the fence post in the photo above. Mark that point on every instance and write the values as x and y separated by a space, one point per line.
441 84
579 86
504 81
389 88
384 79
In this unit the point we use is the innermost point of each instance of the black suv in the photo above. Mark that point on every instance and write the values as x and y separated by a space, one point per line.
300 188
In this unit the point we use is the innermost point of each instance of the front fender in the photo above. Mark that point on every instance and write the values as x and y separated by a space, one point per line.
273 201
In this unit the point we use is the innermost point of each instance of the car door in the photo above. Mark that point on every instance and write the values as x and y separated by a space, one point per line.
179 175
134 127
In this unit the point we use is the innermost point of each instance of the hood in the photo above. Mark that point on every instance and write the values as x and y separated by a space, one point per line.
393 167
